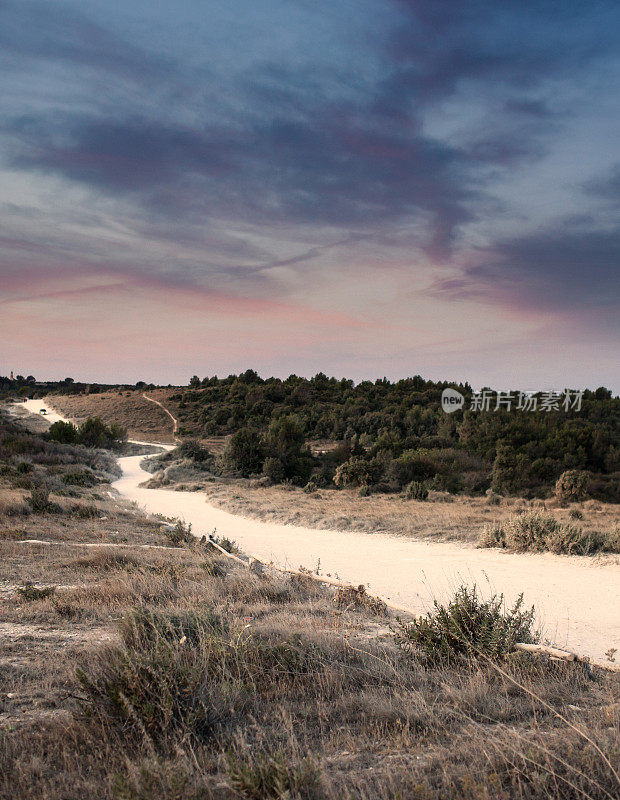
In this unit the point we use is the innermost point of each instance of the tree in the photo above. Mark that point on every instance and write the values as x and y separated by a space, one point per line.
285 442
245 452
194 382
64 432
95 433
572 486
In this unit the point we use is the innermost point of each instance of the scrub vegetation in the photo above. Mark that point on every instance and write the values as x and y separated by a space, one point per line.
139 662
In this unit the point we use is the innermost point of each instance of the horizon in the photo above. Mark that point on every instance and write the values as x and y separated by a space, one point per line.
363 189
356 382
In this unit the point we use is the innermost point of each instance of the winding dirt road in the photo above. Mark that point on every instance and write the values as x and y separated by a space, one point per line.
577 598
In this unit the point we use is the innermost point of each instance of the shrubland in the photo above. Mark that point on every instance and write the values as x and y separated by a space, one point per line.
137 662
397 428
392 433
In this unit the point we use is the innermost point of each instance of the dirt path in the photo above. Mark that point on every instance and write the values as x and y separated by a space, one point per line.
577 598
175 421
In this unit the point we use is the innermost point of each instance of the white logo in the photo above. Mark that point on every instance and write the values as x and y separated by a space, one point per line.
451 400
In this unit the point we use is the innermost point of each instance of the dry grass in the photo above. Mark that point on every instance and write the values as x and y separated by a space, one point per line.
297 693
143 420
175 673
441 518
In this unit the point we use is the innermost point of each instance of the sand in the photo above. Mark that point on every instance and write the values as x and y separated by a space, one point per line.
577 598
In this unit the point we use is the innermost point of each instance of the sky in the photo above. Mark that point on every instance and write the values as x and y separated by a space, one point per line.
365 188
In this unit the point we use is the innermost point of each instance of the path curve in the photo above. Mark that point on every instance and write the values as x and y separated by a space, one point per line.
577 598
175 421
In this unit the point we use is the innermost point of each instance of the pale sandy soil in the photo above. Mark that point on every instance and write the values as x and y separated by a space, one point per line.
577 598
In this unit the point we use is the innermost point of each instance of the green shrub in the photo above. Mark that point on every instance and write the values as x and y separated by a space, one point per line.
468 627
412 465
84 511
492 535
193 450
358 471
163 681
572 486
93 432
575 513
273 469
24 467
179 676
493 499
63 432
416 491
285 442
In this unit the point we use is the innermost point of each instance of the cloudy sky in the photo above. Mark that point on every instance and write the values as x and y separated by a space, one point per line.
360 187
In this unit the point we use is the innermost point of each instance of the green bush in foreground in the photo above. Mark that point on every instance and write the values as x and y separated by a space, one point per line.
468 628
535 531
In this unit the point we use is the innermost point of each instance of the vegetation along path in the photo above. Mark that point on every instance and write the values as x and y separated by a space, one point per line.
577 598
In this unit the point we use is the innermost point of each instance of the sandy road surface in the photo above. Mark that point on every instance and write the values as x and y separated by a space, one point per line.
577 598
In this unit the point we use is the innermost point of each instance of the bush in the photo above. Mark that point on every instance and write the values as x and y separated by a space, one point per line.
40 499
163 680
358 471
273 469
537 532
180 534
285 443
95 433
31 592
79 477
271 776
416 491
572 486
412 465
468 628
193 450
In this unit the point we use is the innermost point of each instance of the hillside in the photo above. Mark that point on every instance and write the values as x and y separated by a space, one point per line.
142 419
